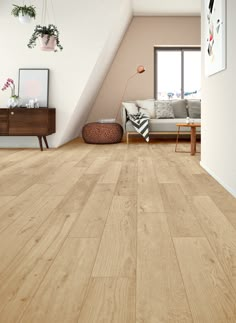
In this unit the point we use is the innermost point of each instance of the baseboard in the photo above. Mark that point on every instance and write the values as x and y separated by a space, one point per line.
227 187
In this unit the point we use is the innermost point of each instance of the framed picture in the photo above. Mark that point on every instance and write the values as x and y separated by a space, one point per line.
34 84
215 36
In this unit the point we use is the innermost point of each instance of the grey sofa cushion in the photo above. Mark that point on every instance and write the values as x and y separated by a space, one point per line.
194 108
164 110
130 107
179 108
164 125
147 107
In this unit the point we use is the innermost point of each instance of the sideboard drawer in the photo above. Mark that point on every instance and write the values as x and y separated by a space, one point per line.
3 121
3 127
28 122
3 114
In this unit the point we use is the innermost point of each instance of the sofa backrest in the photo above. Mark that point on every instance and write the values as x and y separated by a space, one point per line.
194 108
182 108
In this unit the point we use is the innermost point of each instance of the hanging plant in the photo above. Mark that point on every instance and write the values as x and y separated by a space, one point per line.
24 13
48 36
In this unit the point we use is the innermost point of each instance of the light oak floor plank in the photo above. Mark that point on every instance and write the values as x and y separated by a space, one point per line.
23 229
15 185
99 166
149 194
117 253
77 196
220 233
128 182
180 217
109 300
111 175
93 217
29 199
166 174
210 294
61 294
5 199
24 275
227 204
69 181
160 294
206 184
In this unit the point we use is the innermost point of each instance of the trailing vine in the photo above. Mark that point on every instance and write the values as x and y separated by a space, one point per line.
40 31
24 10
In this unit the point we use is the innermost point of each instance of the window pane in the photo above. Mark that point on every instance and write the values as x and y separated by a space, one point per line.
192 74
168 75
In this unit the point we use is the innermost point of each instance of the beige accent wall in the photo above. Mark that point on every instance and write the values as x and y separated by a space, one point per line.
137 48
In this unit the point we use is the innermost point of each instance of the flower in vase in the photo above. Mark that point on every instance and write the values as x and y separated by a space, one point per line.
14 100
10 84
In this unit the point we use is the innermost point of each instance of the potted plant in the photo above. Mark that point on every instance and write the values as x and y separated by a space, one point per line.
24 13
48 36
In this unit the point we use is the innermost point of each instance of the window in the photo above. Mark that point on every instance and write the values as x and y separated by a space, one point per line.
177 73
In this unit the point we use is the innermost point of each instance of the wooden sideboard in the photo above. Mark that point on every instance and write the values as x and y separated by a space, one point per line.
39 122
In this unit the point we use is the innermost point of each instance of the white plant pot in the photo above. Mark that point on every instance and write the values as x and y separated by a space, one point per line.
26 19
14 102
48 46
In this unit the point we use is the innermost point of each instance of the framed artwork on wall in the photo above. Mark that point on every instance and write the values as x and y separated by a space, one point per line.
215 36
34 84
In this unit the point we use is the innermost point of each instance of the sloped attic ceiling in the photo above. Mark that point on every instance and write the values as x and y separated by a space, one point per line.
167 7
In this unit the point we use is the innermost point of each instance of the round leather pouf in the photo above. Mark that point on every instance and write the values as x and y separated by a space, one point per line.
102 133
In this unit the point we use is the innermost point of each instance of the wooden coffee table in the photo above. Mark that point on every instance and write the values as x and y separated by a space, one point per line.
193 127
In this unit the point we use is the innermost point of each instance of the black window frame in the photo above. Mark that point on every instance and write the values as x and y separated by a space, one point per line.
182 49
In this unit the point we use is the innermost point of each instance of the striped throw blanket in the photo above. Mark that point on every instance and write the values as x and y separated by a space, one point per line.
140 123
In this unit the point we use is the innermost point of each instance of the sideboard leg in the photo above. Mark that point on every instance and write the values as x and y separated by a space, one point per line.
46 142
40 142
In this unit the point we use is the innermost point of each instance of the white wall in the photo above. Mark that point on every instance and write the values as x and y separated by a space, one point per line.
90 37
218 155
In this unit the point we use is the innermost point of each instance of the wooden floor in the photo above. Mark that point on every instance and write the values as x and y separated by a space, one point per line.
114 234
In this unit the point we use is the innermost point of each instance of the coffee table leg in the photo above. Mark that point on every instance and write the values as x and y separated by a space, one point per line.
193 140
177 139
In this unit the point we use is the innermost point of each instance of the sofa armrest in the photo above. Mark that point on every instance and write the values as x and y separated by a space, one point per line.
124 117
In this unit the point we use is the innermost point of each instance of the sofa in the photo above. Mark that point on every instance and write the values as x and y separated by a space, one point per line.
163 115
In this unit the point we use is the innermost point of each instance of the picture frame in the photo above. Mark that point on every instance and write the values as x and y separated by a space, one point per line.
215 36
33 83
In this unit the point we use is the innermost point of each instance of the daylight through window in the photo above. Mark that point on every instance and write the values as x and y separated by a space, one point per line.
177 73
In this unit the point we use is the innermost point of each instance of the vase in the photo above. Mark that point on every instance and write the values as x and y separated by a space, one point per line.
14 102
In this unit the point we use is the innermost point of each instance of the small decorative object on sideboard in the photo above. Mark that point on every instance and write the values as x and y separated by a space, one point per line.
24 13
33 103
14 100
48 36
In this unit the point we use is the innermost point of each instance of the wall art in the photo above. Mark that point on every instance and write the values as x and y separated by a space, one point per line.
215 36
34 84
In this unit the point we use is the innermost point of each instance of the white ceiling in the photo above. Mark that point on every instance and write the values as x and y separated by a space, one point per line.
167 7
